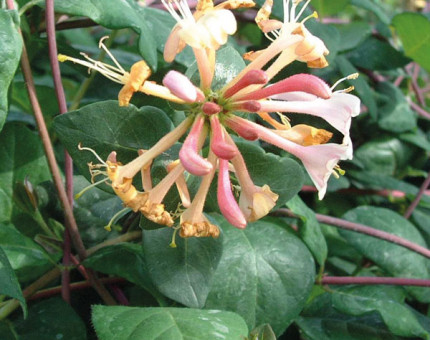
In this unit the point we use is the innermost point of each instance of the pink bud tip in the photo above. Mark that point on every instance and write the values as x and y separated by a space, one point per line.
227 204
189 156
249 106
180 86
250 78
244 131
299 82
218 143
210 108
112 157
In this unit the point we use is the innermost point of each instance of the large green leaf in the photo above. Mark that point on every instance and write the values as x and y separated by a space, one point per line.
107 127
125 260
22 155
10 53
320 321
27 258
284 175
394 259
363 300
373 7
127 323
115 15
51 319
329 7
265 274
309 229
395 114
353 34
377 55
414 32
9 284
184 273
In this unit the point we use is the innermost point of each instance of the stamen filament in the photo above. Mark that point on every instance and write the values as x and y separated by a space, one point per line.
83 191
80 147
108 227
101 45
350 77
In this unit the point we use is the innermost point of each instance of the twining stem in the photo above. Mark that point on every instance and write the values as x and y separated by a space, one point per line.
371 280
28 5
363 229
52 163
417 199
68 163
419 110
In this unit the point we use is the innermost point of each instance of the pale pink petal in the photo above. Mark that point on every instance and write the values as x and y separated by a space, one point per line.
180 86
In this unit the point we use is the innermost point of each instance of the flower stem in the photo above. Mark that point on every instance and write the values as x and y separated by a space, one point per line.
365 280
417 199
363 229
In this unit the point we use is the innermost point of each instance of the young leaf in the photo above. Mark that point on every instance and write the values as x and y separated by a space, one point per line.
309 229
265 274
394 259
51 319
127 323
10 53
184 273
9 284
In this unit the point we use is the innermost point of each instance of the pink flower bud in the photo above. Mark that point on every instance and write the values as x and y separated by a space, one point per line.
244 131
218 143
210 108
189 153
250 78
180 86
227 204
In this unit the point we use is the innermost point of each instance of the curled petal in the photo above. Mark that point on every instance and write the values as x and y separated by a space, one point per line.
227 204
259 204
180 86
189 156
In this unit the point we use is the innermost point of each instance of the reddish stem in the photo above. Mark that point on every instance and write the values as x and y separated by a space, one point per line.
363 229
415 87
417 199
420 110
62 105
364 280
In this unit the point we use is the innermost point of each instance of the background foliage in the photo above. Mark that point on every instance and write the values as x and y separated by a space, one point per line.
263 282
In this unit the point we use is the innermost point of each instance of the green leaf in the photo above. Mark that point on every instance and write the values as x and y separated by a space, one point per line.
394 259
51 319
265 274
362 300
377 55
329 7
384 155
125 260
184 273
115 15
285 177
7 331
417 138
120 129
373 7
309 229
263 332
414 32
353 34
421 217
10 53
22 155
395 114
361 86
9 284
27 258
320 321
126 323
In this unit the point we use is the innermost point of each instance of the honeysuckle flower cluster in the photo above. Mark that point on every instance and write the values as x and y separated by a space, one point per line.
212 115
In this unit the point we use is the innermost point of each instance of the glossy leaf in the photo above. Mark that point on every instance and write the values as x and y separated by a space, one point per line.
184 273
394 259
395 114
9 284
51 319
27 258
363 300
265 274
377 55
125 260
10 47
22 155
414 32
329 7
121 129
353 34
309 229
115 15
126 323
